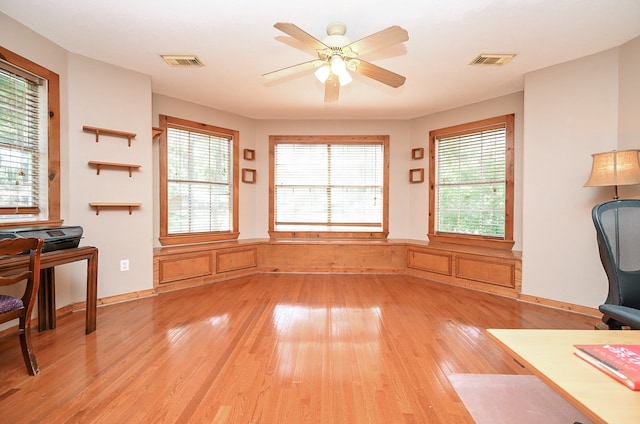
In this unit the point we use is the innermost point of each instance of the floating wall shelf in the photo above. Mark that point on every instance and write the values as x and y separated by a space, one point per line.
99 164
114 133
102 205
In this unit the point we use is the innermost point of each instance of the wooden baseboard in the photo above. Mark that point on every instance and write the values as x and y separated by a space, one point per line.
584 310
81 306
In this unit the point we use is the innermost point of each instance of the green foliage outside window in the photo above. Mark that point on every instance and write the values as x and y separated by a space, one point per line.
471 180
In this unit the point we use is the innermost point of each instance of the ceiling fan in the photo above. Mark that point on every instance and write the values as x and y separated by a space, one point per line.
337 55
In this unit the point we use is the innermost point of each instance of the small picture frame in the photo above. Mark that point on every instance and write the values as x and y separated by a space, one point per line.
416 175
249 154
417 153
248 175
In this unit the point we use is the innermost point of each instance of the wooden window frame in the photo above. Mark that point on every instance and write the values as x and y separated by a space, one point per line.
53 166
377 235
199 237
484 241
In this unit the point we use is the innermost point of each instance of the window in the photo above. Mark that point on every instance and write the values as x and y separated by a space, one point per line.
471 183
29 143
198 182
331 187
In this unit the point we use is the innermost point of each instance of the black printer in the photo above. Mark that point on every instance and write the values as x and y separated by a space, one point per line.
55 238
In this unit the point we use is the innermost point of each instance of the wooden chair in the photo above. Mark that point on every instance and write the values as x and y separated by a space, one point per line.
20 308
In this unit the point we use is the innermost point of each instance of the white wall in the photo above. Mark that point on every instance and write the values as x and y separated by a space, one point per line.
571 111
629 105
105 96
629 92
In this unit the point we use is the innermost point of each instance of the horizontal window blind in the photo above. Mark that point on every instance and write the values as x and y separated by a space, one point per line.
471 183
20 133
328 186
199 182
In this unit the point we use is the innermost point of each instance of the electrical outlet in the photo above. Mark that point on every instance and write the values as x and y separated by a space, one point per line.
124 265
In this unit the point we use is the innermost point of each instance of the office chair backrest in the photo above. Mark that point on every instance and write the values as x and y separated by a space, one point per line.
617 225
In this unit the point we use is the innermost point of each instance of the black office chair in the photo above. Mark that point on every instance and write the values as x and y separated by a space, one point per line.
617 225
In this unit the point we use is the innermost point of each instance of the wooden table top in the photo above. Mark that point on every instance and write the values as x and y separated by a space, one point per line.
550 355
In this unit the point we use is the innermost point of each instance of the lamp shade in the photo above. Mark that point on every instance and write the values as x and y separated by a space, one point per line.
322 73
614 168
336 67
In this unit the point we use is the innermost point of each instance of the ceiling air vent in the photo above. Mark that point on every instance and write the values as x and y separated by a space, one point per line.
182 61
492 59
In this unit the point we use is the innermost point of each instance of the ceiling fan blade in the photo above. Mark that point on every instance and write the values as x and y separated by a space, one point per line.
380 74
381 39
300 35
331 88
290 70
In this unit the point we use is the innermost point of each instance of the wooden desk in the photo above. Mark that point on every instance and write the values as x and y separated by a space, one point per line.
549 355
46 293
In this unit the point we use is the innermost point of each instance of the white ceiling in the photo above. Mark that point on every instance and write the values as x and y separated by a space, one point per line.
237 42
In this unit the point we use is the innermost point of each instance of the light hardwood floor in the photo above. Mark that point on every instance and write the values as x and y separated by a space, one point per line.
273 348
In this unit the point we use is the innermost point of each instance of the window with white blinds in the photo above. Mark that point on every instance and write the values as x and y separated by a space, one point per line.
23 141
329 185
199 180
472 180
470 183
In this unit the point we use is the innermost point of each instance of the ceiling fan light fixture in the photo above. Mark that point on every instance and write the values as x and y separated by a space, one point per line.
337 64
336 56
335 35
322 73
345 78
339 68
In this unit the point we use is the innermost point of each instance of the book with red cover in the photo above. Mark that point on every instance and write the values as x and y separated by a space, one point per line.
619 361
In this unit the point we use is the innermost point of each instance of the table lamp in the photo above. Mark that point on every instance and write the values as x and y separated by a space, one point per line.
614 168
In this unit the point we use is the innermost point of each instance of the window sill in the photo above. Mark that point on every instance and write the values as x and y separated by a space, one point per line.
173 240
309 235
22 224
472 241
